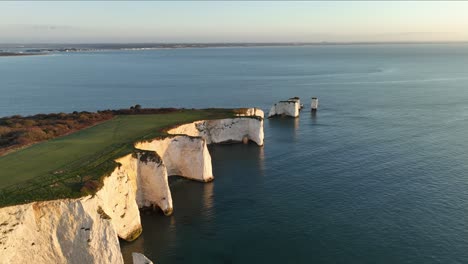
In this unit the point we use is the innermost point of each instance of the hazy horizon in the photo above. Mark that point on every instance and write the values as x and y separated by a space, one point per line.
234 43
232 22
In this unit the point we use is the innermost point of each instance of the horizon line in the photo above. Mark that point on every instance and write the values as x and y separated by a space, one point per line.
244 43
247 42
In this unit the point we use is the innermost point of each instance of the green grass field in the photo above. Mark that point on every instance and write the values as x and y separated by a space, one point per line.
60 167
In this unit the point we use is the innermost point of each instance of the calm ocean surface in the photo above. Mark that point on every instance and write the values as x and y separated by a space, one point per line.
378 175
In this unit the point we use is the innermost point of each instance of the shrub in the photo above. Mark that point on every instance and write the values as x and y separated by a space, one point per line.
4 130
91 187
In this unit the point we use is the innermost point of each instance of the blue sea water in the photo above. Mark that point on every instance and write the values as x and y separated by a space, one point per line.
378 175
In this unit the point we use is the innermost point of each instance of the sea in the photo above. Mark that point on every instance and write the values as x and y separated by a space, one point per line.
379 174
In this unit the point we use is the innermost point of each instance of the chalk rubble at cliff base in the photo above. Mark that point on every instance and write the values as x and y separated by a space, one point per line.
86 230
139 258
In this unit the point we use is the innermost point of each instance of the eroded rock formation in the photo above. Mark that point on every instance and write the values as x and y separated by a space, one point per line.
62 231
184 156
224 130
290 107
86 230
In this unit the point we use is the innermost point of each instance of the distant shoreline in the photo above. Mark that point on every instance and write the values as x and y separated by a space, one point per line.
42 49
16 54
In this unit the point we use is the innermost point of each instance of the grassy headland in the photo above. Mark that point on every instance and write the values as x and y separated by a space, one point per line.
74 165
18 131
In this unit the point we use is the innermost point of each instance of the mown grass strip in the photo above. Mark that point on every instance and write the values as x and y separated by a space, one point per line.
61 167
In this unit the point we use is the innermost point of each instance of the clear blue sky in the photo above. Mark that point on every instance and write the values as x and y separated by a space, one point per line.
245 21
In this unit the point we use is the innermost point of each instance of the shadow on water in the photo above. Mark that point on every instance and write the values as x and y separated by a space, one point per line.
313 115
194 226
285 127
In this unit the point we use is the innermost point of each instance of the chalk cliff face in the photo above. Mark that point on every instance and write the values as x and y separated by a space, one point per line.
251 112
152 184
83 230
224 130
86 230
183 156
290 107
117 199
63 231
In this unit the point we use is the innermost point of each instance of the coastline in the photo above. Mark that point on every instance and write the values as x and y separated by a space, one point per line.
17 54
35 49
92 162
110 208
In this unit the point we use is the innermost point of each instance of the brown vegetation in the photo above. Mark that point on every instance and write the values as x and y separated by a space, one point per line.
18 131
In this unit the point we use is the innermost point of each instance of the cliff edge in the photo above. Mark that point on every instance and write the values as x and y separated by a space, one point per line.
86 229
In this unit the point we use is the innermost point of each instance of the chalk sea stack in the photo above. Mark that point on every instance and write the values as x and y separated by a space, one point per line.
314 104
290 107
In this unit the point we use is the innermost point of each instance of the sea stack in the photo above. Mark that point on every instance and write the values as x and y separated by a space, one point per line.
314 104
289 107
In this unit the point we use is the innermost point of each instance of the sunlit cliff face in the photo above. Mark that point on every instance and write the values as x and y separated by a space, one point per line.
166 206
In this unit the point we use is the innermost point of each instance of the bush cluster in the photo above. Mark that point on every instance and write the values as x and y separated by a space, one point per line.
17 131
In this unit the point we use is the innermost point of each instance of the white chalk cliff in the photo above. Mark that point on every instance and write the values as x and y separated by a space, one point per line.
224 130
62 231
86 230
183 156
251 112
290 107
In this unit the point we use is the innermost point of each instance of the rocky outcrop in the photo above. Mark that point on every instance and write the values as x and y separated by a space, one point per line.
139 258
83 230
117 199
256 112
224 130
86 230
62 231
184 156
152 185
290 107
314 104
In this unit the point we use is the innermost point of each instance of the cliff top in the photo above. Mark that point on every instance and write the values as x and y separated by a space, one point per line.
73 165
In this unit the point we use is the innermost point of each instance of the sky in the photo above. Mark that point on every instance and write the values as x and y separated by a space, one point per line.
232 21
